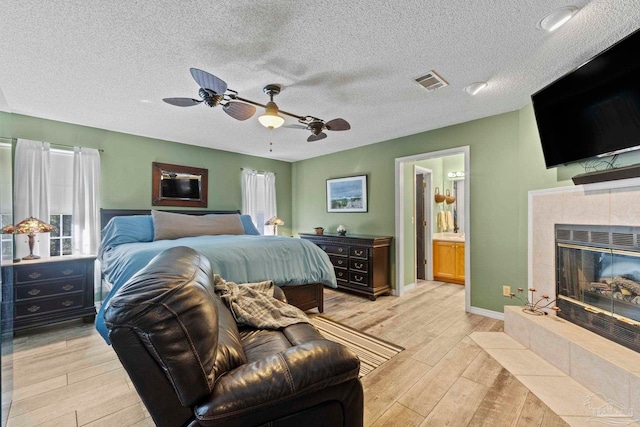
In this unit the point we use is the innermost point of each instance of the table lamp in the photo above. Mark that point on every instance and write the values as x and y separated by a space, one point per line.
30 227
275 221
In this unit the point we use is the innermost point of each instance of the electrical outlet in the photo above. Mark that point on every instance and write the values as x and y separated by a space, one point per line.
506 291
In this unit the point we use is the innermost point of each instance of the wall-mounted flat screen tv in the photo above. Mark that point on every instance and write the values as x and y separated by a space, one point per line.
181 188
594 110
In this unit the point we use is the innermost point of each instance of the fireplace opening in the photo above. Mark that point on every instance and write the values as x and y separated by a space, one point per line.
598 280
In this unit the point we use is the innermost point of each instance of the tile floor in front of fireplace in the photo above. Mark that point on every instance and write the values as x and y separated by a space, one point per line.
563 394
576 404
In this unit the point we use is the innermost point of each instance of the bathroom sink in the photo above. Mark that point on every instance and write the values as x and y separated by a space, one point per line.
454 237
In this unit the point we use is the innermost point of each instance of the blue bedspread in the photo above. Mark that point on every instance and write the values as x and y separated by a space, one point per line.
238 258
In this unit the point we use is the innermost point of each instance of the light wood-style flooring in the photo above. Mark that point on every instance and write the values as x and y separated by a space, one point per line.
66 375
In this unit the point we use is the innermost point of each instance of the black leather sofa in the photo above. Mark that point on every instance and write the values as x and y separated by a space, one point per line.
193 366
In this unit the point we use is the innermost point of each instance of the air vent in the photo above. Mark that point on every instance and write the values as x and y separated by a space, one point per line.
562 234
601 237
431 81
581 236
623 239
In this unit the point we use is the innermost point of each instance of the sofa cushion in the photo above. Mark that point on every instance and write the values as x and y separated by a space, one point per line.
230 354
260 343
171 307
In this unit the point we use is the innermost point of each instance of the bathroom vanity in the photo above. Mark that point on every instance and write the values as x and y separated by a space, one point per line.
448 257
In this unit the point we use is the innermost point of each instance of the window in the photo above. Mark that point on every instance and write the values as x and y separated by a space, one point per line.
260 213
259 198
60 238
61 181
6 241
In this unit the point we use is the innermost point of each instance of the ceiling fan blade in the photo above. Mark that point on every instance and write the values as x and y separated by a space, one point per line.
209 81
295 126
337 124
182 102
239 110
317 137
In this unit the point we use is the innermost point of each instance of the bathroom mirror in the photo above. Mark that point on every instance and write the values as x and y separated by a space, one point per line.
174 185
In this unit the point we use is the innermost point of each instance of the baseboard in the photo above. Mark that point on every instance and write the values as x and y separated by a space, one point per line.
486 313
626 172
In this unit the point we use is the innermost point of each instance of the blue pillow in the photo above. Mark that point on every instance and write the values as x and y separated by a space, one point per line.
126 229
248 225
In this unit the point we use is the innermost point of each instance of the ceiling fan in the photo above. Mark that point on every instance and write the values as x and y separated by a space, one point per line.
214 91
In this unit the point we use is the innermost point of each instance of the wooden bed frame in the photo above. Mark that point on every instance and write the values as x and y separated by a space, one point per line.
305 297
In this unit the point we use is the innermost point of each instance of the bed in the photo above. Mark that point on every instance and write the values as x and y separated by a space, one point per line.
298 266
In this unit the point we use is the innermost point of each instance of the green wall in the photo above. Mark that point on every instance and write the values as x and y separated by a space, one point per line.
126 164
505 163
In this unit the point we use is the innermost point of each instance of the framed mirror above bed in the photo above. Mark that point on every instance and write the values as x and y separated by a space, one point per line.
174 185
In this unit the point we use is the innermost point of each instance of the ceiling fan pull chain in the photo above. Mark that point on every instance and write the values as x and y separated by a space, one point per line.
271 140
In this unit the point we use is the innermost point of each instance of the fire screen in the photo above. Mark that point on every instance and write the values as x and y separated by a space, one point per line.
598 280
604 278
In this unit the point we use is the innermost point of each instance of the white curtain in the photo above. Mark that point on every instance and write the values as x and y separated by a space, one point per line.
270 209
250 194
259 197
31 191
86 201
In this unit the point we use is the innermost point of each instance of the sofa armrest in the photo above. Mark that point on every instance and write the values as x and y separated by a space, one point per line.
276 379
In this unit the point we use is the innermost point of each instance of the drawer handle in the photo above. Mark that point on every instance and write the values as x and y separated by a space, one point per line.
340 274
340 249
33 308
34 292
357 252
67 303
340 262
67 287
34 275
358 278
358 266
67 272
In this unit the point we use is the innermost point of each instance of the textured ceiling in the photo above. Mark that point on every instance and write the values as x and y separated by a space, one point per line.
91 62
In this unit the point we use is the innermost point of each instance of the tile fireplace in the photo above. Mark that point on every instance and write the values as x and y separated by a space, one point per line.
598 279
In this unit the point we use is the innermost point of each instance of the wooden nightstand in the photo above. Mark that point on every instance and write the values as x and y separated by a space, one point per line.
50 290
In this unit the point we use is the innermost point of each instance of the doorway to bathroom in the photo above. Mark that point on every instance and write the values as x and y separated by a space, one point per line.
446 218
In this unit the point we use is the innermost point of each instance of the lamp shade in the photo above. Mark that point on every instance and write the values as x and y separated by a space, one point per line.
30 227
270 119
274 220
9 229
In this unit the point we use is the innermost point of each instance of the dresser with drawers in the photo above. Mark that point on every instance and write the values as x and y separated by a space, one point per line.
361 263
52 289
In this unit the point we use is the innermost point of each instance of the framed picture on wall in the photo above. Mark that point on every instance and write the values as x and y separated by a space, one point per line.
347 194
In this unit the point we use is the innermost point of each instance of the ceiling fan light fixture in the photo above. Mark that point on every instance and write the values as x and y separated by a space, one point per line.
557 18
270 119
476 87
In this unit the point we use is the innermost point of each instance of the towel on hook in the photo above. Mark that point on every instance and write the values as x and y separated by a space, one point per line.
442 221
449 220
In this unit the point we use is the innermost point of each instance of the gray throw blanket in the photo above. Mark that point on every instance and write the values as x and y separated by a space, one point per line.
253 304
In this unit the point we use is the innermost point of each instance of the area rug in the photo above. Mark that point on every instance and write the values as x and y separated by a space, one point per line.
372 351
